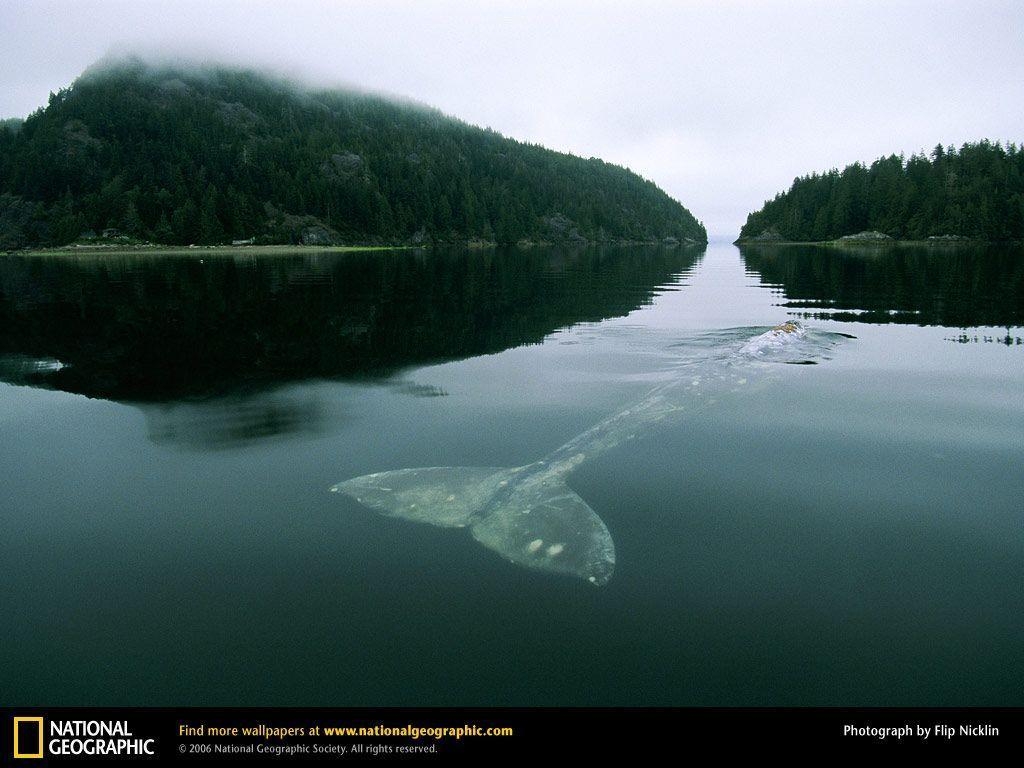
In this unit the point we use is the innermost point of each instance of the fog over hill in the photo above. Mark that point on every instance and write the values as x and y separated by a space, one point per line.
184 154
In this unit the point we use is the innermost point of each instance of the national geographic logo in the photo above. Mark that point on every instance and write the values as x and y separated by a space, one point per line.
28 737
77 738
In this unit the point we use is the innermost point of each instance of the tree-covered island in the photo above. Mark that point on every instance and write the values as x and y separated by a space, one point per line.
177 155
974 193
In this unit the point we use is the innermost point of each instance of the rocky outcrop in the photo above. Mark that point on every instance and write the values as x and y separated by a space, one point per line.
318 234
770 235
948 239
343 165
563 229
289 228
865 237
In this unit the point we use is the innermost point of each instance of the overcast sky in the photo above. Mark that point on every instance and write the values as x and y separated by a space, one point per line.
720 103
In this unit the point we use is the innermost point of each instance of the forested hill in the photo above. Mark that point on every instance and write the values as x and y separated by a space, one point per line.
181 155
976 192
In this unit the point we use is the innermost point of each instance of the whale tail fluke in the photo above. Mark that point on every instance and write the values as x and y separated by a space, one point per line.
531 518
448 497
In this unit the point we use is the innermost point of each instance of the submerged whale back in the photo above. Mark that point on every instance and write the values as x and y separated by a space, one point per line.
792 342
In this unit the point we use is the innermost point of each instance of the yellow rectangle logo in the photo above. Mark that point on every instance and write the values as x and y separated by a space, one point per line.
37 744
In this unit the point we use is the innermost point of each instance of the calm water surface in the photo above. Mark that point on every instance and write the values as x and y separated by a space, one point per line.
850 532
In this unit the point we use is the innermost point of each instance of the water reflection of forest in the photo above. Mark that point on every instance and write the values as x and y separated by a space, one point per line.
958 287
145 329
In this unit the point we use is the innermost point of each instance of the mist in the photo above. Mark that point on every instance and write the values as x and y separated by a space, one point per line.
721 104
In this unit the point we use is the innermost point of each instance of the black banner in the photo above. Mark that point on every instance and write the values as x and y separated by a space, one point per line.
43 736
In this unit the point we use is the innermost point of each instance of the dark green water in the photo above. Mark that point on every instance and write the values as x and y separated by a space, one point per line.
850 532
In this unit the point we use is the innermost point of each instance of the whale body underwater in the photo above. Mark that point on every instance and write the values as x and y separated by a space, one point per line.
528 514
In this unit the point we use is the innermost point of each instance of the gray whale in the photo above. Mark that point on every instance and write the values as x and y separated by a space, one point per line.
528 514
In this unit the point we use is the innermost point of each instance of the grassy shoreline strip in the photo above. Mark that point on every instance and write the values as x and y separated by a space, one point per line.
202 251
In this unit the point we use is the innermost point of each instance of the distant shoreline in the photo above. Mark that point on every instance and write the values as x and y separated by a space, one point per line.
854 243
281 250
198 250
